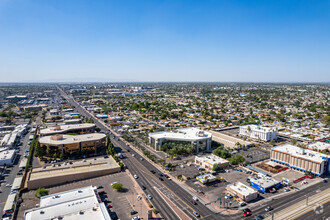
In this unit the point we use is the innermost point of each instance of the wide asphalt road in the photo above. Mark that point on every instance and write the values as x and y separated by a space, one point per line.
320 212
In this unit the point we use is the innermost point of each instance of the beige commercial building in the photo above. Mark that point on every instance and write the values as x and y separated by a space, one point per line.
301 159
74 143
244 192
208 161
73 128
78 170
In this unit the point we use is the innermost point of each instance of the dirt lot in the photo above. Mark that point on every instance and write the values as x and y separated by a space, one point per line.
122 202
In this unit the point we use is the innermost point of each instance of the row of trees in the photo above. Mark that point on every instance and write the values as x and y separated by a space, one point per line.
174 148
225 154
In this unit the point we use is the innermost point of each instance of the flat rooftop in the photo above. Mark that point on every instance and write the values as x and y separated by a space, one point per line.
212 159
259 128
187 134
320 146
65 128
241 188
6 154
76 167
300 152
71 139
206 176
74 204
265 182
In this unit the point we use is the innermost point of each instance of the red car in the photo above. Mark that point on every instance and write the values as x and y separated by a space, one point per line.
102 192
109 206
193 202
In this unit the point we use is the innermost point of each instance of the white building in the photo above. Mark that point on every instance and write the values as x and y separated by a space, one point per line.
82 203
209 161
193 135
244 192
301 159
258 132
7 157
319 146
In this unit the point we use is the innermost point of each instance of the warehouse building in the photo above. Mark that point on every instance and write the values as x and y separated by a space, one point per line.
244 192
66 172
196 136
7 157
264 184
82 203
301 159
70 128
258 132
208 161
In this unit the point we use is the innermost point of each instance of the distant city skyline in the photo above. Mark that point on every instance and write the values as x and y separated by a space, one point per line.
164 41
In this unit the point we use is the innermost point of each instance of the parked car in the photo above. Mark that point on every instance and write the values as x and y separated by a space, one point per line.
152 171
259 217
143 187
9 185
149 196
99 187
101 192
160 174
161 179
166 176
287 190
193 202
324 181
139 197
135 176
109 206
195 198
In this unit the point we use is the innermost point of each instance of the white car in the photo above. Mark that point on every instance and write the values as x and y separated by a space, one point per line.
139 197
136 218
133 155
135 176
9 185
195 198
149 196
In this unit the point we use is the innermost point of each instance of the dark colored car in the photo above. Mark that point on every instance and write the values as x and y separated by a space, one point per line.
113 215
193 202
152 171
166 176
246 212
160 174
161 179
143 187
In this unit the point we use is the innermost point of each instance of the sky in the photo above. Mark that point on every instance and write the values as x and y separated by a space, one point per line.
164 40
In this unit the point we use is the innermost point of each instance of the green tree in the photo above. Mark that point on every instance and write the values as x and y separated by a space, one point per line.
41 192
117 186
216 167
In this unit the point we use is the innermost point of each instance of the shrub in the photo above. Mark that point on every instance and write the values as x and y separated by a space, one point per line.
117 186
41 192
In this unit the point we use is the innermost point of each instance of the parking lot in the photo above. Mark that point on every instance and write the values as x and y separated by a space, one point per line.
254 154
122 202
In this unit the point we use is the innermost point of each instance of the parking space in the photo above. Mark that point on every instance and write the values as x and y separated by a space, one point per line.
122 202
254 154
